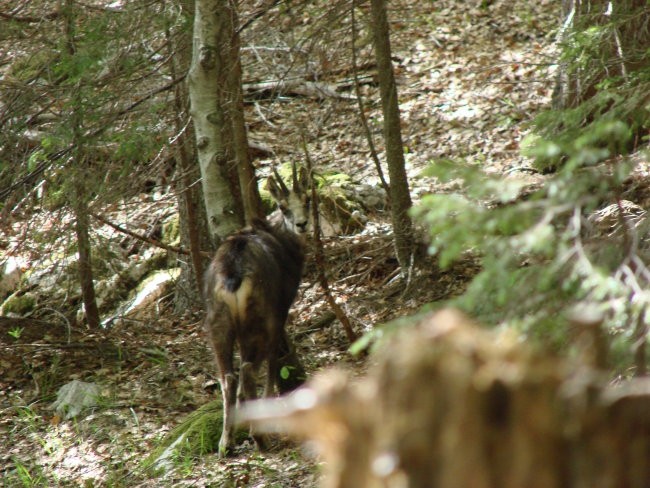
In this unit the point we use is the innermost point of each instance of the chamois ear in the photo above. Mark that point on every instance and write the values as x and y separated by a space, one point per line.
273 188
304 179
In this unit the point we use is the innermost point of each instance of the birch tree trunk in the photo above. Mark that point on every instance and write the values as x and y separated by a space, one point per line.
208 84
400 198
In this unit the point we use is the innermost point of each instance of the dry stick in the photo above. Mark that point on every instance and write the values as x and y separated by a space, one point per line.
257 14
148 240
319 254
640 334
28 19
362 114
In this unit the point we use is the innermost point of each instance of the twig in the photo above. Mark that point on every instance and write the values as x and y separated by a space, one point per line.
256 15
149 240
42 166
30 19
362 114
319 255
63 152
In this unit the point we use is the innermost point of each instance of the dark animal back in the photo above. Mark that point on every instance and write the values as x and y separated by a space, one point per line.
233 262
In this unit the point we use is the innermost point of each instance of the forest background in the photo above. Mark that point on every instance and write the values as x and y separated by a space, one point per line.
522 134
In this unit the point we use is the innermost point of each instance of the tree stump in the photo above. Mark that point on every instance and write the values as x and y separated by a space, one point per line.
452 405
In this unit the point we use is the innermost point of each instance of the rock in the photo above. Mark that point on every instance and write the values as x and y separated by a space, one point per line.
158 284
11 272
72 398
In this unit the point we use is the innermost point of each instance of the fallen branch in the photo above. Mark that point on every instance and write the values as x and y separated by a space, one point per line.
148 240
296 87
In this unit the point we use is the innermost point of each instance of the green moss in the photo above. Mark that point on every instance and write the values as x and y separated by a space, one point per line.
171 233
332 179
19 305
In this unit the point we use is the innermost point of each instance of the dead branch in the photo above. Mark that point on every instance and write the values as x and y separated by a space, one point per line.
148 240
319 256
295 87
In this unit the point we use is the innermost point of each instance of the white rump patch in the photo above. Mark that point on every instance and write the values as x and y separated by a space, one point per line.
236 301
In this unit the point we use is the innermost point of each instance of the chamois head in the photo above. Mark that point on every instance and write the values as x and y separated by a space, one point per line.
294 202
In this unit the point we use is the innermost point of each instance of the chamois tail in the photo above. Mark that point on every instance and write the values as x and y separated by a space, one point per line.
232 264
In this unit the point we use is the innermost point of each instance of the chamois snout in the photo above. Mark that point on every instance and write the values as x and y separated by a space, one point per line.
301 227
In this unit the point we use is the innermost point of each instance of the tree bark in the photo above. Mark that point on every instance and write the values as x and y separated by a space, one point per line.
82 226
207 86
192 222
449 404
250 195
400 198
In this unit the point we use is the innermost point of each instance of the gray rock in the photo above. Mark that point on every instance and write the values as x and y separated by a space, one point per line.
74 397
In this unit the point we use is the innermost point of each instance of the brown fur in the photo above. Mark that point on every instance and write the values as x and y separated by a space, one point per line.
249 288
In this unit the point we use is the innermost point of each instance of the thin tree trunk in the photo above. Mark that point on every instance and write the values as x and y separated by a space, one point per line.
80 185
191 213
82 227
250 195
207 84
400 198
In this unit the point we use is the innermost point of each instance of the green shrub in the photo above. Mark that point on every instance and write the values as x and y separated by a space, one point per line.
539 256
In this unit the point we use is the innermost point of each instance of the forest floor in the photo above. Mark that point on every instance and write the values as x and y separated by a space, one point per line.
470 79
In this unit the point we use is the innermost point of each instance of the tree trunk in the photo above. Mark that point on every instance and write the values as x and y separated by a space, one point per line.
82 227
208 84
400 198
80 189
192 222
250 195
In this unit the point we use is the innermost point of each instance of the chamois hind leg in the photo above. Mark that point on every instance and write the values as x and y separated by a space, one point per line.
276 329
288 363
220 331
250 361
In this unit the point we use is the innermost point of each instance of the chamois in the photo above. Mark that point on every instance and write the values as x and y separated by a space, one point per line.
249 287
